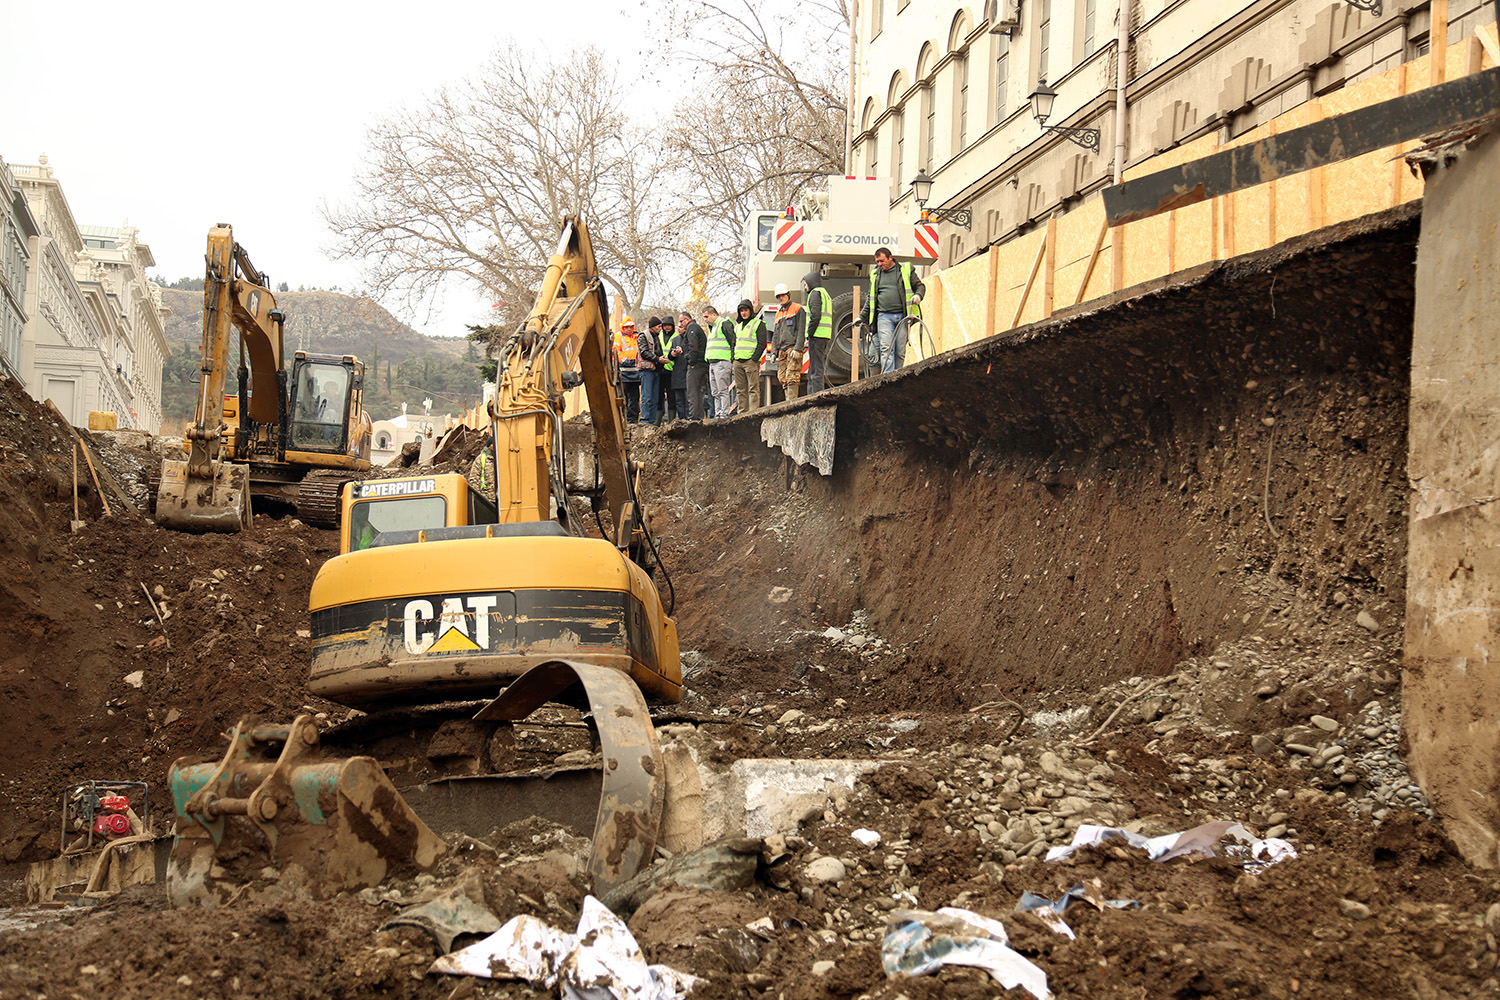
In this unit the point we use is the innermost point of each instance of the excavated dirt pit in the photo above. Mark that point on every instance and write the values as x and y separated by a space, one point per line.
1169 535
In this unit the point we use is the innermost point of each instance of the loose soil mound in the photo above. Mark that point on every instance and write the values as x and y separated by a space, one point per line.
95 685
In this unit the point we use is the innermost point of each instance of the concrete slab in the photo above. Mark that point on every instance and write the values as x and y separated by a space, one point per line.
1451 686
762 797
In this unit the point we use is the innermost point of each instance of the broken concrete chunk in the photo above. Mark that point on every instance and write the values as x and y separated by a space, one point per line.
1365 620
136 678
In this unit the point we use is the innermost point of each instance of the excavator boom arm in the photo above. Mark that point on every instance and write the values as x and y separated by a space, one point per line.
235 296
564 342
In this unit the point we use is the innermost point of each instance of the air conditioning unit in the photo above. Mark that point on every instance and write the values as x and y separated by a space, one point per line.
1004 16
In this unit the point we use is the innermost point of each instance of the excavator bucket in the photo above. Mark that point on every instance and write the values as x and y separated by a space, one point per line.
221 503
633 791
274 803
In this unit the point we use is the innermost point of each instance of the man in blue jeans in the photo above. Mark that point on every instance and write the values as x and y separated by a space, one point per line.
895 293
648 362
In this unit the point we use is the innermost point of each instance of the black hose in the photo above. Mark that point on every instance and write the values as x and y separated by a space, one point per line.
671 592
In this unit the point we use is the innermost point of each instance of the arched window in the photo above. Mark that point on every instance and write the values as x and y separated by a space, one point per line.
898 127
961 102
956 35
898 87
1002 74
871 141
959 30
928 138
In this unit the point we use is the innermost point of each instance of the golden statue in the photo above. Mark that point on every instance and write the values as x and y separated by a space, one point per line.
698 283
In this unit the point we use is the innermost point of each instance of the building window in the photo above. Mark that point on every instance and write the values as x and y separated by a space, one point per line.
1090 18
877 17
962 69
875 155
899 120
1002 73
1043 37
931 117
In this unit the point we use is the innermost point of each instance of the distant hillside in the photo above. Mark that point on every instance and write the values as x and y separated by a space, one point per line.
331 322
402 365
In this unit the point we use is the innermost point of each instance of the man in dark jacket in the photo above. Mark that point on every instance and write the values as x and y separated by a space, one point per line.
648 362
695 347
749 335
675 353
819 306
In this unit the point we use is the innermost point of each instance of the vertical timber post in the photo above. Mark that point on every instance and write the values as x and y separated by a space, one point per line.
992 291
1049 279
854 337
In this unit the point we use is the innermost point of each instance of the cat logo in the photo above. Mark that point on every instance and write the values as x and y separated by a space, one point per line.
461 626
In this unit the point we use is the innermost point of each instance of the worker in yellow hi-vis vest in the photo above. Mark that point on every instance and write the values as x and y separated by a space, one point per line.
819 306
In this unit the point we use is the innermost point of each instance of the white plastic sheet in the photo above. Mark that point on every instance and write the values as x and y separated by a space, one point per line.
918 942
599 961
1201 840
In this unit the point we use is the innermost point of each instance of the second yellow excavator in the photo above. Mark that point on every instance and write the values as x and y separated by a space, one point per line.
292 437
442 592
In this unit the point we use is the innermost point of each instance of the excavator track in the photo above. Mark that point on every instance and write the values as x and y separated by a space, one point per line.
318 496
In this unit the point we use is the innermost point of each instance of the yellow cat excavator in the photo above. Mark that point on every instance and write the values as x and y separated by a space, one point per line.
295 439
443 592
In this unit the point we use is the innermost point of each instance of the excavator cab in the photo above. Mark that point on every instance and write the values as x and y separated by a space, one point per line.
325 391
416 503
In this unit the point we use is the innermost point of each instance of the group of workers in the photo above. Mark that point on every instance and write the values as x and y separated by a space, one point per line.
687 370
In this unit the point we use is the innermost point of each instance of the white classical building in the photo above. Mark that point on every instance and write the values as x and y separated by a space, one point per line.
944 86
93 337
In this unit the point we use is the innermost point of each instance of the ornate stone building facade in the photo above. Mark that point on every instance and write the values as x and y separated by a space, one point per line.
94 337
944 86
17 228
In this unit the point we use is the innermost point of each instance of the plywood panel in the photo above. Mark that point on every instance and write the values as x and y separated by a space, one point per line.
1015 260
1076 234
1193 238
963 297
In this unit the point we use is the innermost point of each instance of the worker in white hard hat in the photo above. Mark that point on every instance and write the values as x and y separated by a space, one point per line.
627 356
789 339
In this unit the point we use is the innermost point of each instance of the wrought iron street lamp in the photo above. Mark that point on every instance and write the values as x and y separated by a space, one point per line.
921 189
1042 100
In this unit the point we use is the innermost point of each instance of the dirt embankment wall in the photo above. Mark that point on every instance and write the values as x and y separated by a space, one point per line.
1092 498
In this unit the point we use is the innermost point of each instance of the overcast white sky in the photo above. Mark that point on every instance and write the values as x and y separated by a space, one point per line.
177 115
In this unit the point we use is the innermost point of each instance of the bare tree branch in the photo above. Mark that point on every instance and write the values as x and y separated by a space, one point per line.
473 184
767 122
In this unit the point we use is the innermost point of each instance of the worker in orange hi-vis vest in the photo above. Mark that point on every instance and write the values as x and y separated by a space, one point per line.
627 352
789 340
